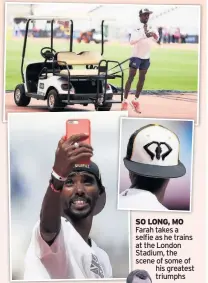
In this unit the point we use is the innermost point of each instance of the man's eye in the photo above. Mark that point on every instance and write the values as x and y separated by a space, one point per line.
69 182
88 181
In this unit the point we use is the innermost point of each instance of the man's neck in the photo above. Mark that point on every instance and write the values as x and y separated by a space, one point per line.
159 193
83 227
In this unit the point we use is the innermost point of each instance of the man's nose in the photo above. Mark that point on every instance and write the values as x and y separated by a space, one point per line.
80 188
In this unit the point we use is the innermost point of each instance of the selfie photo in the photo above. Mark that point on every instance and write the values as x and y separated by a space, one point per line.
68 226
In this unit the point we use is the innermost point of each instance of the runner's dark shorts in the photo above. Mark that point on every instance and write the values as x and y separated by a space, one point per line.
140 64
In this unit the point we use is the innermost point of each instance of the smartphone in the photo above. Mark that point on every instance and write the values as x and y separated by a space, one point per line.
78 126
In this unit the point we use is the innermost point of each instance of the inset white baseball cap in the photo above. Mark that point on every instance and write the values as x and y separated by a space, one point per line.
153 151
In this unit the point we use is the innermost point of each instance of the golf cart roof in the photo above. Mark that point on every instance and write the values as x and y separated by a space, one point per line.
74 17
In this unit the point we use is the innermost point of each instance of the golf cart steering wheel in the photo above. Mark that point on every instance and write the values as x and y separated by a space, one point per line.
47 53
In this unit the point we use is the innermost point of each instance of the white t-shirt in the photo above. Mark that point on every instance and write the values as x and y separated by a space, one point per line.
142 48
137 199
69 257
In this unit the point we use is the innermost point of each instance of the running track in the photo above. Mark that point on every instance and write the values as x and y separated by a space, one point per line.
176 106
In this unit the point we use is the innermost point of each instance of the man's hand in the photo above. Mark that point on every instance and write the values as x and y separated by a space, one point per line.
154 35
67 155
150 34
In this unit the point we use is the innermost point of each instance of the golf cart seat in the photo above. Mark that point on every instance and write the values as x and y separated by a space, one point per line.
87 58
83 58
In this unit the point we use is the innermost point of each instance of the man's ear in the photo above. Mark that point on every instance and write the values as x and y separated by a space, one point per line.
101 190
131 176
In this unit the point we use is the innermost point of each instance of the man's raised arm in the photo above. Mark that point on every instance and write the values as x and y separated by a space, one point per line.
67 155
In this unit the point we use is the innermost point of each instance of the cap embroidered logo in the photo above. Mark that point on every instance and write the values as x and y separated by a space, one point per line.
156 145
81 165
158 150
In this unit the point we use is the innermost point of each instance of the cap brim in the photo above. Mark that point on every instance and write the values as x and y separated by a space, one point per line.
100 203
149 12
155 171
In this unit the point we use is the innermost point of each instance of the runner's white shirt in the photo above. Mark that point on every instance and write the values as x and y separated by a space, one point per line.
142 48
137 199
69 257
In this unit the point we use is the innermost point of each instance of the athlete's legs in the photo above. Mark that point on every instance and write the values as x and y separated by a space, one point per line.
140 84
135 102
132 73
142 74
135 64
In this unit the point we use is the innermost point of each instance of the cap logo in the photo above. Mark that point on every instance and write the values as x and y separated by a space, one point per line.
81 165
158 150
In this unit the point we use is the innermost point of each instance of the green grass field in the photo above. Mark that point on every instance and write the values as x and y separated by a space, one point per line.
171 69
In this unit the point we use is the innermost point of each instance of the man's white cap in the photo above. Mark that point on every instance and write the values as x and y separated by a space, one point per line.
145 11
153 151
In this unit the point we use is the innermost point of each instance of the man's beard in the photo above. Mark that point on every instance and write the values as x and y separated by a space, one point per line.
144 21
76 213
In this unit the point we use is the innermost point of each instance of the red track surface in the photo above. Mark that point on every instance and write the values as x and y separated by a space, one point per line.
175 106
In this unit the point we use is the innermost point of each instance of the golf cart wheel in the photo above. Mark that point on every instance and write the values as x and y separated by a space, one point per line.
53 101
19 96
105 107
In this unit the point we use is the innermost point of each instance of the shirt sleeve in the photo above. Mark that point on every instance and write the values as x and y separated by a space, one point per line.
49 260
42 249
137 35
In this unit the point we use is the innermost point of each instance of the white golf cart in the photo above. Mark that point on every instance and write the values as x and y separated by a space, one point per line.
57 80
